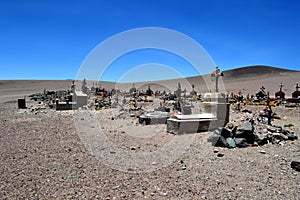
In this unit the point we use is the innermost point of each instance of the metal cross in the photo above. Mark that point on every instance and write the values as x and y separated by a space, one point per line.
281 85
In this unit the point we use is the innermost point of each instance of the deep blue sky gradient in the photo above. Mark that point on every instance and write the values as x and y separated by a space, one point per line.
49 39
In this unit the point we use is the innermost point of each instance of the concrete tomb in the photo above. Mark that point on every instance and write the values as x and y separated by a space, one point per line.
215 114
156 117
79 99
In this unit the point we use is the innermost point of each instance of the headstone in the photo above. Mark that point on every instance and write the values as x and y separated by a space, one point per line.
22 104
149 92
133 90
217 104
80 98
73 87
296 94
280 94
84 87
261 94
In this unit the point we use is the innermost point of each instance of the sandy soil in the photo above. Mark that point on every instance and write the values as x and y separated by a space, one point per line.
44 155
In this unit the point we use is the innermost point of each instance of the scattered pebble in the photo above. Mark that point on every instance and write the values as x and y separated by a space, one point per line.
220 154
262 152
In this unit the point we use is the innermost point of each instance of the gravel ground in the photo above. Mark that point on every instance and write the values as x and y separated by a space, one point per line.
44 157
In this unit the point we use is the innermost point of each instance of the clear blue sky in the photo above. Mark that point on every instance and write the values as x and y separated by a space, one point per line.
49 39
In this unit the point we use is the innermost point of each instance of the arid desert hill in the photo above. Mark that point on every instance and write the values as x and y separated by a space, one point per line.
251 79
247 79
257 70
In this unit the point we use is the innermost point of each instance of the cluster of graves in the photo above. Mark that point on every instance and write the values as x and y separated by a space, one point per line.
60 99
262 98
214 112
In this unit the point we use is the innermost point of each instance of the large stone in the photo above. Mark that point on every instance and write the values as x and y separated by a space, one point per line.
278 128
292 137
285 132
230 143
217 139
272 129
261 139
278 136
230 125
246 130
295 165
226 133
247 126
241 142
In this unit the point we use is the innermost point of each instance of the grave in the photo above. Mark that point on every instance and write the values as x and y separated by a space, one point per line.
64 105
80 99
296 94
215 113
181 124
181 104
295 97
155 117
280 94
22 104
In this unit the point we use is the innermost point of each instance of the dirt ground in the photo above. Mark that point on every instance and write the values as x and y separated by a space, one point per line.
44 155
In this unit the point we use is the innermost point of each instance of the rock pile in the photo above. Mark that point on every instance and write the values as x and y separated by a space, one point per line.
102 103
248 134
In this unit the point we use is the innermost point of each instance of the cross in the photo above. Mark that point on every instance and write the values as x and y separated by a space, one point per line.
178 91
281 85
217 73
84 82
